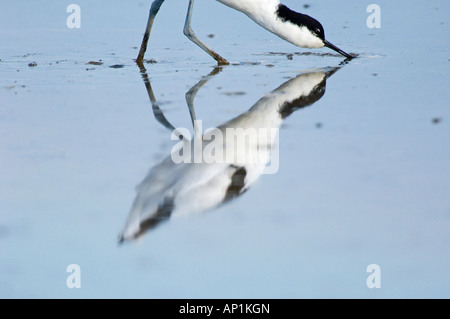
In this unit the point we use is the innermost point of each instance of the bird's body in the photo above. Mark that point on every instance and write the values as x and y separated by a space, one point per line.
174 189
294 27
274 17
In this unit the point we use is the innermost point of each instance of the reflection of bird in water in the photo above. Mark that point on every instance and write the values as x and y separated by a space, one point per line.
296 28
174 190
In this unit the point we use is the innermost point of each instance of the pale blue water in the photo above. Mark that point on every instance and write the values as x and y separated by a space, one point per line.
363 178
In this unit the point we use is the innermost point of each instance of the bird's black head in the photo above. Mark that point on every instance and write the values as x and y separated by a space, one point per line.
314 26
302 20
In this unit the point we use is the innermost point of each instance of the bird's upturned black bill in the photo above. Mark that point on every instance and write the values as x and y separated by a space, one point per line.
335 48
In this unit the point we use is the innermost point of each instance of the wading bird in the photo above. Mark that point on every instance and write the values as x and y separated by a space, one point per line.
294 27
174 189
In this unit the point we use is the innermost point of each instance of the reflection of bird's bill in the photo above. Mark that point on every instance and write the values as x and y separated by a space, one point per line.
335 48
330 71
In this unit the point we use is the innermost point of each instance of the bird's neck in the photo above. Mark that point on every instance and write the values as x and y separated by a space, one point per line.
252 7
278 19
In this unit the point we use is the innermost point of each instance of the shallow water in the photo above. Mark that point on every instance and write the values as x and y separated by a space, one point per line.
363 172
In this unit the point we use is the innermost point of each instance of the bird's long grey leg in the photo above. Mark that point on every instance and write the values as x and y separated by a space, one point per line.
157 112
151 17
191 36
190 95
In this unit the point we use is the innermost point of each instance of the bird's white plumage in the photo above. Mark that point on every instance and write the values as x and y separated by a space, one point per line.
197 187
263 12
294 27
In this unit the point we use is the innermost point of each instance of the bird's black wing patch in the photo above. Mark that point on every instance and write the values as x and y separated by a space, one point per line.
237 184
162 214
